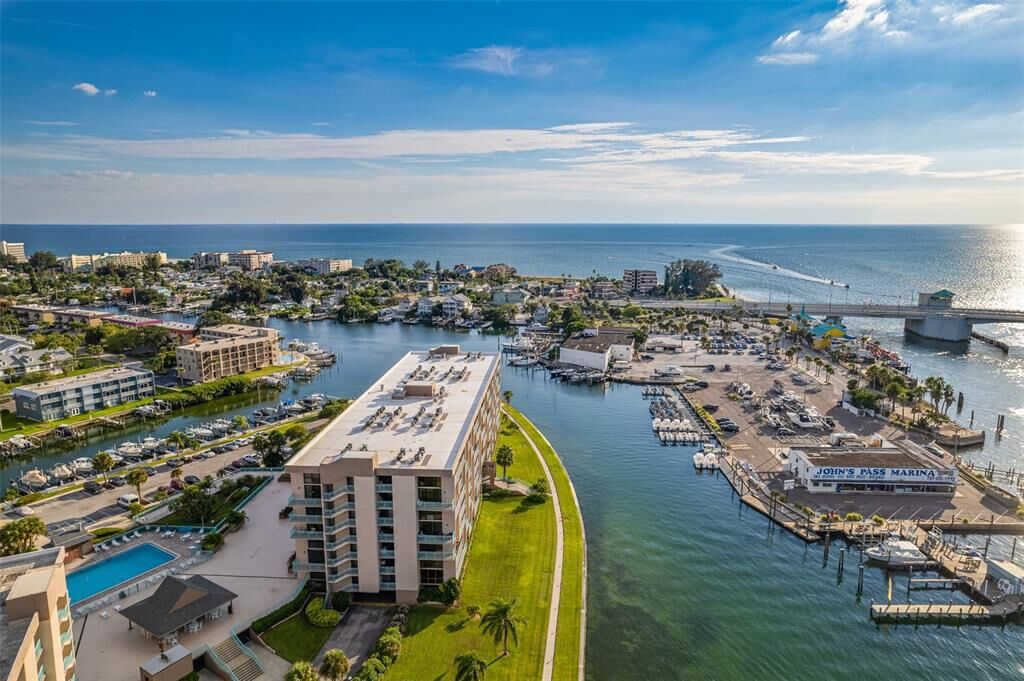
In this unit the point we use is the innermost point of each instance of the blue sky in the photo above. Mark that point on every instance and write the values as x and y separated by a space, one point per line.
859 111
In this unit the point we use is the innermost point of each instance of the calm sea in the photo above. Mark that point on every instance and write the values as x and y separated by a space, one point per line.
683 582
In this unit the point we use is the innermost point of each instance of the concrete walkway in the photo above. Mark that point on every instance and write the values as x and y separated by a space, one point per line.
556 582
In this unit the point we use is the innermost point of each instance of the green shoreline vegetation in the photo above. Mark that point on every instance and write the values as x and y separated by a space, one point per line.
512 557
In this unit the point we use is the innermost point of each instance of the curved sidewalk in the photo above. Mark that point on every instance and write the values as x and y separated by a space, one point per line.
556 583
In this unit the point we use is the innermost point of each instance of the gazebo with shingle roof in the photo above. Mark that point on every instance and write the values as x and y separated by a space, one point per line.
176 603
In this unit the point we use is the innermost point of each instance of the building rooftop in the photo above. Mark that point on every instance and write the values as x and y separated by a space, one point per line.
176 602
81 381
179 326
132 319
899 455
426 400
240 330
599 340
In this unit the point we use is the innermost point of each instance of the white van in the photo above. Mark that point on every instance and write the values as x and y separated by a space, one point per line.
126 500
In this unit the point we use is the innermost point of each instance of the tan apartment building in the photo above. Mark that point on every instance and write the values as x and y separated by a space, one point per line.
327 265
385 497
250 260
228 350
14 250
36 642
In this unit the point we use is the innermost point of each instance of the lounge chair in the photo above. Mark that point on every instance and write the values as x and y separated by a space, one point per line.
127 539
114 542
185 537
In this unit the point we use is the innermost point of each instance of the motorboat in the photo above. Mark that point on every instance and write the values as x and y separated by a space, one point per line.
129 449
896 552
802 420
83 466
62 472
669 370
34 479
698 461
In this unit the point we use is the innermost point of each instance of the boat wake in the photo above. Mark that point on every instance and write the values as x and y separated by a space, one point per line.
728 253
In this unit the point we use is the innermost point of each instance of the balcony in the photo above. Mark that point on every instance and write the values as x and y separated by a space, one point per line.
339 509
382 487
435 538
300 518
387 586
381 503
434 555
386 521
434 505
39 648
64 613
387 569
307 567
305 534
337 526
342 558
344 541
41 674
69 661
303 501
384 553
386 536
331 496
66 638
338 576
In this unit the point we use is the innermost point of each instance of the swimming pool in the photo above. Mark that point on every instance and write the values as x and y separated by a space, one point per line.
110 572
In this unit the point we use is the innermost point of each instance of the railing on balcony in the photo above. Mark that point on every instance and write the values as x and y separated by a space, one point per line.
300 518
39 648
66 638
381 503
333 527
382 487
387 586
339 509
350 539
434 555
435 538
304 501
307 567
330 496
434 505
386 536
386 520
387 569
306 534
385 553
342 574
69 661
64 613
342 558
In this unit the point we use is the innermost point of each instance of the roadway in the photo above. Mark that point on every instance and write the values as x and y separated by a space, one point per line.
68 510
974 315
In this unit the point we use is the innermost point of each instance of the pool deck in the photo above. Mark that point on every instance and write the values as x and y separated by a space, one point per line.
252 563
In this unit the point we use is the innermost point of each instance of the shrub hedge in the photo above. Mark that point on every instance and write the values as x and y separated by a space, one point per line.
287 610
319 616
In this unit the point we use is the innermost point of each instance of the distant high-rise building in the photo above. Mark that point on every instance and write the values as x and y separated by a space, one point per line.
327 265
640 281
15 250
250 260
137 260
227 350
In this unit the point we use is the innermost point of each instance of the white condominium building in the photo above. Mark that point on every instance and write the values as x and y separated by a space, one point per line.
640 281
386 496
14 250
228 350
327 265
137 260
251 260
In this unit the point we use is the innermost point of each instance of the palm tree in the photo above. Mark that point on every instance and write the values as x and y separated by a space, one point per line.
176 474
892 391
469 666
178 439
501 621
947 397
137 477
335 665
505 457
103 463
302 671
507 396
828 372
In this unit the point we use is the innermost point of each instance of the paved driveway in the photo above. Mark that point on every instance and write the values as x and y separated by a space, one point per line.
357 634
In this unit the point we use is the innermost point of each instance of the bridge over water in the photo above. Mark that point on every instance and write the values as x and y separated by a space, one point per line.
933 317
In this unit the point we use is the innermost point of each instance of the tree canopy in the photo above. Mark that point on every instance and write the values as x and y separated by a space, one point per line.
690 278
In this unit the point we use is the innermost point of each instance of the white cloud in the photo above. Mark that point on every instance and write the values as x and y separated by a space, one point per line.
64 124
975 13
149 93
858 23
321 124
507 60
849 164
789 58
110 92
87 88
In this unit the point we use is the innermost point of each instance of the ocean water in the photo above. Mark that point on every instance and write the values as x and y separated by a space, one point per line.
684 583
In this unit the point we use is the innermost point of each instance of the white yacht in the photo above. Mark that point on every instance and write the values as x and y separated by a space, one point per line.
896 552
698 461
669 370
83 466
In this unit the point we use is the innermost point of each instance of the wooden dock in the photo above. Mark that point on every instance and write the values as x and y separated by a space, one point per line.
947 612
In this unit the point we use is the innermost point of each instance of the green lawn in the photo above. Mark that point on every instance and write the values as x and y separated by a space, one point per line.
567 641
296 639
512 555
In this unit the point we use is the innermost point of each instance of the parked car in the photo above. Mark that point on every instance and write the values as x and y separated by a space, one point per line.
192 479
92 487
175 463
730 427
784 431
118 481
